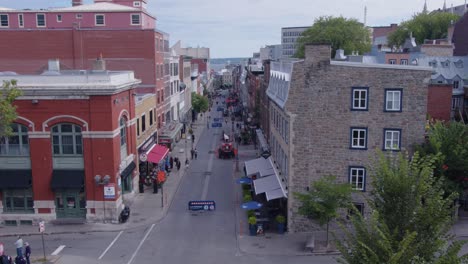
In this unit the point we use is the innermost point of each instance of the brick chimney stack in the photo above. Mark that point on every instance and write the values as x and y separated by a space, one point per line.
317 53
77 2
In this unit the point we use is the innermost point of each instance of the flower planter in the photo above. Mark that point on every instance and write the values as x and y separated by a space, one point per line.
253 230
280 228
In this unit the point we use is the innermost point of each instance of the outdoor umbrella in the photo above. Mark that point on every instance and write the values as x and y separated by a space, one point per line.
244 180
252 205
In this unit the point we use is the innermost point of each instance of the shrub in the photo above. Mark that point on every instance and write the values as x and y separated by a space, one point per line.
280 219
250 213
252 220
247 198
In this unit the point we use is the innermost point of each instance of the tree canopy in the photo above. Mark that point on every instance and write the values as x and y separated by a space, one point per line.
199 103
411 216
423 26
9 93
342 33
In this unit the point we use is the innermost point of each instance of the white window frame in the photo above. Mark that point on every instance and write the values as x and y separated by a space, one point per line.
96 20
357 176
456 84
358 138
392 61
59 18
79 16
20 20
404 62
390 97
37 20
456 102
76 138
359 100
392 139
7 21
136 3
139 19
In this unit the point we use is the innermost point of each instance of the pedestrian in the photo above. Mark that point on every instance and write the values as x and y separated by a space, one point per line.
193 138
19 246
196 153
192 152
186 163
27 252
178 164
5 259
20 260
171 162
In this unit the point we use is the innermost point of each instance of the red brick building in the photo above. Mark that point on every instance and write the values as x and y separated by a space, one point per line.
439 100
74 138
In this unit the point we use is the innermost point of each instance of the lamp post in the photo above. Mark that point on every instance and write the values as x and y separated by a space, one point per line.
102 181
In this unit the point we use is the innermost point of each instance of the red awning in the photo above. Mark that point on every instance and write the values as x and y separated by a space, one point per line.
157 153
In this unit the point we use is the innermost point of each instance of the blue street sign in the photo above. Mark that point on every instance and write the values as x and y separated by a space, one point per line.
216 119
216 124
202 205
220 109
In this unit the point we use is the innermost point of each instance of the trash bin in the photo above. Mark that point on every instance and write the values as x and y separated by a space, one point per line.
141 187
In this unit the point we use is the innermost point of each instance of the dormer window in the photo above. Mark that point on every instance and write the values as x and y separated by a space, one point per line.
59 18
40 20
100 20
136 4
445 64
135 19
4 20
458 64
433 63
79 16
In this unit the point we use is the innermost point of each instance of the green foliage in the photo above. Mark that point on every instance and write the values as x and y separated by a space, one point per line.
247 198
423 26
280 219
250 213
451 141
322 202
411 216
199 103
9 93
340 32
252 220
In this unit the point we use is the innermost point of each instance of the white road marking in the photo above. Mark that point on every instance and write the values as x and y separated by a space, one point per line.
57 251
110 245
141 243
210 169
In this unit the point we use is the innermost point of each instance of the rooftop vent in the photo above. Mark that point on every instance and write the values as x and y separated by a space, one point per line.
54 65
77 2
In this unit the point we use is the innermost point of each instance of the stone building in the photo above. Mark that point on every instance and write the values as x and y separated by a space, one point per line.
329 118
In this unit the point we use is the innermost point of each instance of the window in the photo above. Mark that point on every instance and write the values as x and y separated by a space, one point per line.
456 84
135 19
360 98
359 208
67 140
40 20
143 123
357 178
404 62
18 201
393 100
20 20
138 126
151 118
391 61
456 103
4 20
17 144
123 138
79 16
100 20
392 139
59 18
358 138
136 4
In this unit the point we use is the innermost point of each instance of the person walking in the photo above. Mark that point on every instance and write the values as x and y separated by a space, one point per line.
171 162
19 246
193 139
192 152
196 153
27 252
178 164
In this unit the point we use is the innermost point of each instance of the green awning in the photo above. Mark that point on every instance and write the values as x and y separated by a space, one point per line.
67 179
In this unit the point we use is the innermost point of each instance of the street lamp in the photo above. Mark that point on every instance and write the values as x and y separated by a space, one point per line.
99 182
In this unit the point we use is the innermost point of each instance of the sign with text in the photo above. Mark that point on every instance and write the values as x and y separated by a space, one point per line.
216 124
41 226
109 191
219 109
216 119
202 205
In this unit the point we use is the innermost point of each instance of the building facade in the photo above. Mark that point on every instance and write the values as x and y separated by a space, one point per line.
289 36
364 107
73 151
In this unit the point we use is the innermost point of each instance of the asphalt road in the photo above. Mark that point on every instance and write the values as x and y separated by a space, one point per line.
182 236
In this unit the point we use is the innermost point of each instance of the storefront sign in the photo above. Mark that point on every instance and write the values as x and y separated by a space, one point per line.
202 205
109 191
165 140
216 124
143 157
216 119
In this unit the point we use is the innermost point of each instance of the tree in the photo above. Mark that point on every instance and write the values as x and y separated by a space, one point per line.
322 202
199 103
423 26
451 140
410 220
340 32
8 94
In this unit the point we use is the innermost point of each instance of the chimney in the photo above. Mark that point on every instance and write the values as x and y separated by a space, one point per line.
99 64
317 53
54 65
77 2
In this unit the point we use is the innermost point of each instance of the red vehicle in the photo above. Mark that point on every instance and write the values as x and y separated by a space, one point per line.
226 150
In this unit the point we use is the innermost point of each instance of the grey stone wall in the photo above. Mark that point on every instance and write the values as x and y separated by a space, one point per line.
319 108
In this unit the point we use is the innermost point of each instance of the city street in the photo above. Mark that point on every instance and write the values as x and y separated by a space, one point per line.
182 235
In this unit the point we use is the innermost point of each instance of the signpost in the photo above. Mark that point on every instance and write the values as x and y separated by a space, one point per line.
202 205
42 230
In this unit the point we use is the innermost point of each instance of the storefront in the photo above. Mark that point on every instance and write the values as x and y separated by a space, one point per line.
170 134
70 198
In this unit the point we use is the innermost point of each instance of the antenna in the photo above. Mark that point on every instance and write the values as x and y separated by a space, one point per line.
425 6
365 15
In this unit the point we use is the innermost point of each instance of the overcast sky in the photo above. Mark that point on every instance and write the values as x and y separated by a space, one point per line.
239 28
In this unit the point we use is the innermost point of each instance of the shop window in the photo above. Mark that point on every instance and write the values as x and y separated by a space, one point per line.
18 201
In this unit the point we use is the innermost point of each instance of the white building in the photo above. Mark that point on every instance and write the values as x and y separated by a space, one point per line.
289 36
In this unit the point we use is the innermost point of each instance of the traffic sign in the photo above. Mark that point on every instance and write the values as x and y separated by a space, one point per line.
216 119
216 124
202 205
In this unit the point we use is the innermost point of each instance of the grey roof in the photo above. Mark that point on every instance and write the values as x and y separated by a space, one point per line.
446 67
280 79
